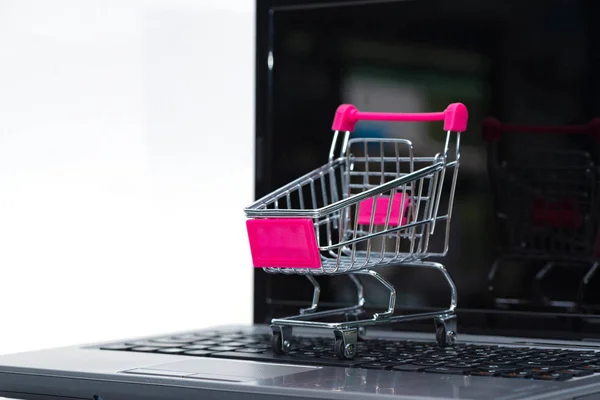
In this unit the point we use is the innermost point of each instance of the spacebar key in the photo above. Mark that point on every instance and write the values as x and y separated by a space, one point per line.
285 359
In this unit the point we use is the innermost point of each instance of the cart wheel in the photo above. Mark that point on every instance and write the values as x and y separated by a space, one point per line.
276 343
338 349
281 339
441 336
342 352
362 334
445 330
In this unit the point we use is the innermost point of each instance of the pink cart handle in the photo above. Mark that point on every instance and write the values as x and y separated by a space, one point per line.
455 117
492 129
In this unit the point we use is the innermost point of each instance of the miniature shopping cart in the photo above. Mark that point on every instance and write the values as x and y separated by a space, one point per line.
546 204
375 205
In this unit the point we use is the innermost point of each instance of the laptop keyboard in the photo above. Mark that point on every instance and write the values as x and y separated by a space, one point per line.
424 357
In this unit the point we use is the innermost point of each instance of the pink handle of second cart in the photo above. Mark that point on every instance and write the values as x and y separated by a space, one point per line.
492 129
455 117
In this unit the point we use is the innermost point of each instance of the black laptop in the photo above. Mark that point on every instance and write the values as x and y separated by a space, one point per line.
524 245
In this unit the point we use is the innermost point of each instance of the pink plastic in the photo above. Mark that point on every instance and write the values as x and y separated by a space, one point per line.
557 214
283 242
455 117
492 129
365 209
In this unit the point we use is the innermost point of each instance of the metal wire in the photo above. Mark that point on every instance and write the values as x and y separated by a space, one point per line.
375 170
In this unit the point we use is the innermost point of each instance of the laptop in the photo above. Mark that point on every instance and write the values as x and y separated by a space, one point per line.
523 246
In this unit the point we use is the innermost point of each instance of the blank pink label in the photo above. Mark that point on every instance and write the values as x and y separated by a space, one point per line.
283 243
365 210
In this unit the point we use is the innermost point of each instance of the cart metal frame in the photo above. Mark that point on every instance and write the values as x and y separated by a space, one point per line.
376 204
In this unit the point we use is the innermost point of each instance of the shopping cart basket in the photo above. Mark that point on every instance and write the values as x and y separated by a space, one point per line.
375 205
545 203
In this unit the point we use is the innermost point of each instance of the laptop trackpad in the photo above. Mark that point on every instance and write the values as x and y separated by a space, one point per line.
220 370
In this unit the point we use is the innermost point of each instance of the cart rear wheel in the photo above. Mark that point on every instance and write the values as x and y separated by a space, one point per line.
341 350
362 333
277 344
441 336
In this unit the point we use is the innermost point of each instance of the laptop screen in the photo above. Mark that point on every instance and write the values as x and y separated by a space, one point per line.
524 243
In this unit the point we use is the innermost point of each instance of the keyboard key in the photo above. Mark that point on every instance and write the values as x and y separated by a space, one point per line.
540 370
496 367
462 364
545 359
257 345
583 353
393 360
482 352
517 374
367 359
191 338
421 352
308 353
232 337
235 344
223 340
403 355
450 353
117 347
330 356
409 368
575 372
437 357
588 367
490 372
497 361
207 334
196 347
207 342
149 343
552 376
555 354
447 370
145 349
243 350
578 360
198 353
427 363
533 351
377 353
172 340
473 359
487 347
376 365
171 351
222 348
508 359
541 363
247 341
318 349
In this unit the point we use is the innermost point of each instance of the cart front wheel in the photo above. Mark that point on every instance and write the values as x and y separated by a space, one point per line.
443 336
277 344
440 336
343 351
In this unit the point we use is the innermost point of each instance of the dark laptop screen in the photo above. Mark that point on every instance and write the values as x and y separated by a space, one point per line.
524 235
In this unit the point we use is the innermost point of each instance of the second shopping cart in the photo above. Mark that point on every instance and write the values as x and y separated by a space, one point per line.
546 206
375 204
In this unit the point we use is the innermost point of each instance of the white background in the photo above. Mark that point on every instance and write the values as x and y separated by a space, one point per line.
126 155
